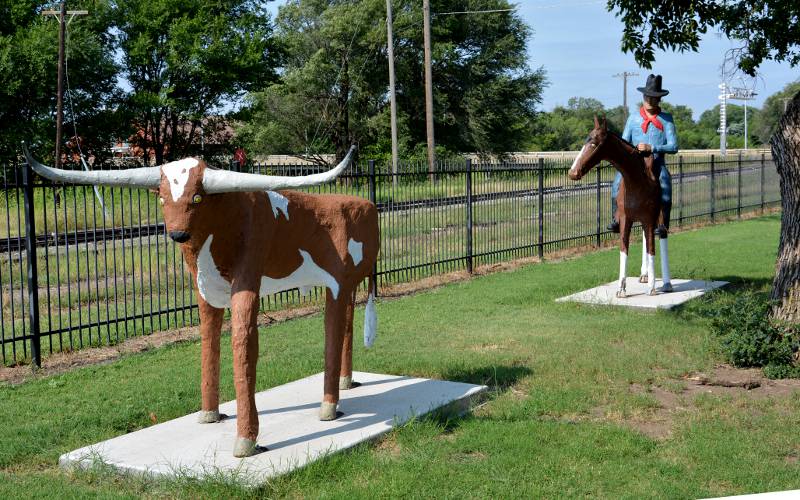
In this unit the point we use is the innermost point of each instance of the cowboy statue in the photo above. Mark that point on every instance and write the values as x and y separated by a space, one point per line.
652 131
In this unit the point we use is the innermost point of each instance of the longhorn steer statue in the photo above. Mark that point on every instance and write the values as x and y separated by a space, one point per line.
241 239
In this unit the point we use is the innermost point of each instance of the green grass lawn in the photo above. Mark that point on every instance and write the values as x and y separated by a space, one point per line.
556 424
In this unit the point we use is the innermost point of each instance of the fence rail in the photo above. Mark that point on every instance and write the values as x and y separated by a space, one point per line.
80 267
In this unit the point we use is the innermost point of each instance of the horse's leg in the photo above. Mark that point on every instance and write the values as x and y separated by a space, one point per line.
335 325
624 243
346 370
643 273
651 254
666 278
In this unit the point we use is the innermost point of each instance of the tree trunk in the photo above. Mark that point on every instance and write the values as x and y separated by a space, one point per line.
786 154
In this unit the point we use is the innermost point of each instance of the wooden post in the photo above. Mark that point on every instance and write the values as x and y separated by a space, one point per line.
426 8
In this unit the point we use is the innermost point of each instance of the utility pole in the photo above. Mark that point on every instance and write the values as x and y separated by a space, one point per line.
426 9
392 94
62 29
624 75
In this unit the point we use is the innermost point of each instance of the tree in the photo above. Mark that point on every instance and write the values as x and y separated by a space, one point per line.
766 123
185 60
28 77
331 83
336 76
768 32
565 128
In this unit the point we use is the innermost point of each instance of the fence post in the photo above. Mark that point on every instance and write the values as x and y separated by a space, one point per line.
680 190
739 187
763 167
33 278
469 216
374 199
541 208
711 190
599 230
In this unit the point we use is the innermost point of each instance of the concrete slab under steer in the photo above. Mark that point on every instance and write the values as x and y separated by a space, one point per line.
289 427
638 296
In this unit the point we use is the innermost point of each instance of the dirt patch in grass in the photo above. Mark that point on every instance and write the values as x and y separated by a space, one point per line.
657 421
389 447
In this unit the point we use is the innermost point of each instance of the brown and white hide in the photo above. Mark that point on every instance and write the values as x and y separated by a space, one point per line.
241 244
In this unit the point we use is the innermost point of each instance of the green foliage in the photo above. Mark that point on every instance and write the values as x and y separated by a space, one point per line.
768 32
766 121
332 89
747 335
184 59
566 127
28 77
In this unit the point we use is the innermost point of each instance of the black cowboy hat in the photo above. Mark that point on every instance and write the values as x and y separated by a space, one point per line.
653 87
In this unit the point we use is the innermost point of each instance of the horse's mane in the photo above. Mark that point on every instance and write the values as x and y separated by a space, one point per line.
623 141
648 165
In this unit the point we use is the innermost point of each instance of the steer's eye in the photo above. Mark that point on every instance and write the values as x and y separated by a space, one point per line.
197 199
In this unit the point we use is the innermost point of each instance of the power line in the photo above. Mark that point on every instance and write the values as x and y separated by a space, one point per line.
472 12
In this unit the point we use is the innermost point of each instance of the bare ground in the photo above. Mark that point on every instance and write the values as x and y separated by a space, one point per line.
724 380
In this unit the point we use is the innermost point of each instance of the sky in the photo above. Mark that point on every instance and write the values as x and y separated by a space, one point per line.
578 44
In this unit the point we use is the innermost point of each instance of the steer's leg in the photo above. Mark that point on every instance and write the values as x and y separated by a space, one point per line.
244 337
346 372
335 315
210 327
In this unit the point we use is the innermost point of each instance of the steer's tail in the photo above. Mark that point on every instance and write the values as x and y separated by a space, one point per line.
370 318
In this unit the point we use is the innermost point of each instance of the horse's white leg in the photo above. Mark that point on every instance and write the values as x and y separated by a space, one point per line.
666 278
651 266
643 273
623 264
651 274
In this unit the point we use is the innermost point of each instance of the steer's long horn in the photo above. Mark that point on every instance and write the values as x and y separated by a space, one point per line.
223 181
143 177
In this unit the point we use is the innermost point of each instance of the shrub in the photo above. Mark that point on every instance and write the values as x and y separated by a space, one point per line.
749 338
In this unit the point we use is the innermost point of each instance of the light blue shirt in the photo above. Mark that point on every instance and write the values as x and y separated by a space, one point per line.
662 141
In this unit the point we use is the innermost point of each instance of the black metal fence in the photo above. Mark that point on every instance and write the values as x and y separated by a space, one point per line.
82 267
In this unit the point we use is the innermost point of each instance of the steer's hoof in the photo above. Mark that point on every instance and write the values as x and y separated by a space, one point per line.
345 383
210 417
667 288
621 294
653 292
327 411
246 448
643 278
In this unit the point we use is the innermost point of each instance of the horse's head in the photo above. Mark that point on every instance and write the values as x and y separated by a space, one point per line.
592 152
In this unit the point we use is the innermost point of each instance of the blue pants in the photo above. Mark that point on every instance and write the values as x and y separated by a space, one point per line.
666 188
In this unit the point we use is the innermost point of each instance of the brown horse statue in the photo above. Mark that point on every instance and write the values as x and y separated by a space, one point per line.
639 199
